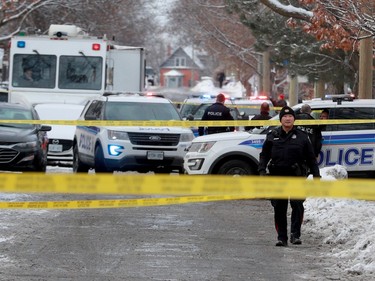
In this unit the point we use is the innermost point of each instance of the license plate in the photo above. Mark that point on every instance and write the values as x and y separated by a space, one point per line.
55 147
155 155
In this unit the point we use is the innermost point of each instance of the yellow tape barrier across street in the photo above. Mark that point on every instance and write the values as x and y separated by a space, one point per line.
196 188
187 124
115 203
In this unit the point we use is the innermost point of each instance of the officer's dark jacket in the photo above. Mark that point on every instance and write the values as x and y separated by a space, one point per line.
314 132
216 111
282 151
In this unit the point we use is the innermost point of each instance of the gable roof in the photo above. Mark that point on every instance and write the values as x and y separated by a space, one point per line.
187 52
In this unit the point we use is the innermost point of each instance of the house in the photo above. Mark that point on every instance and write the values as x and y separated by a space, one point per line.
182 68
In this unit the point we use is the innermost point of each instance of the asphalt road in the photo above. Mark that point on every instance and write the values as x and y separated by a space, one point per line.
231 240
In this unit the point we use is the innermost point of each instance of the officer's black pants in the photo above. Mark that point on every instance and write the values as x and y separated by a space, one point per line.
281 208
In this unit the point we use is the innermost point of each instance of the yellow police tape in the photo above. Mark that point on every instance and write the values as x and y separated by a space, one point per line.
116 203
187 124
218 186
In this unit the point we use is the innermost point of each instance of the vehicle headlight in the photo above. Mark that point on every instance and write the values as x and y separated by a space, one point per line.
117 135
30 144
201 147
186 137
115 150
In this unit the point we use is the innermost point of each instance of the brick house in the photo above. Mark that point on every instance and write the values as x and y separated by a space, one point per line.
182 68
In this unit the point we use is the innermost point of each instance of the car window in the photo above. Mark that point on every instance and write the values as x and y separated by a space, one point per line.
196 110
16 114
253 109
94 111
140 111
351 113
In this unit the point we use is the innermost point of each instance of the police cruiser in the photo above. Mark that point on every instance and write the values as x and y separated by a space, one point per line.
130 148
243 109
237 153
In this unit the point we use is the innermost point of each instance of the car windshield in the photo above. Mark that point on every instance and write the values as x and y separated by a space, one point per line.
15 114
140 111
196 110
252 109
34 71
264 129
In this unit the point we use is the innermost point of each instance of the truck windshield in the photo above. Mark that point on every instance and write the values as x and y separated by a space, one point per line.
80 72
34 71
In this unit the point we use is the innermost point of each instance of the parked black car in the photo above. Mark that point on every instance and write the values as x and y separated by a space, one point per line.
23 147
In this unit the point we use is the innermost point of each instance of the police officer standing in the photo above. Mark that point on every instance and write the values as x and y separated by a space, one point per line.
287 151
216 111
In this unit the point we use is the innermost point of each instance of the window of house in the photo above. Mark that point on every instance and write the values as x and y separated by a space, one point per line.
180 61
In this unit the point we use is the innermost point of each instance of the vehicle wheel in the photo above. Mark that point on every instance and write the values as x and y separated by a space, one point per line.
100 166
236 167
78 166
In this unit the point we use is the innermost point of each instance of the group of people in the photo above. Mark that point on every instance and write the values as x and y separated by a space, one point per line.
288 150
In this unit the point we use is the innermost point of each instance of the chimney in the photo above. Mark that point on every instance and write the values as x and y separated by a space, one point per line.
169 50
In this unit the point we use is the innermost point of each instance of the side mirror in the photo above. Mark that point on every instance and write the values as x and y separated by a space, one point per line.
243 116
190 117
45 128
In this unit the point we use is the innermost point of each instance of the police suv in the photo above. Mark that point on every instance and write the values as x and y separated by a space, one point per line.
135 148
193 108
237 153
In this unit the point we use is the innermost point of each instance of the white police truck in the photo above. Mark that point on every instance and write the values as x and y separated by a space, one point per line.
68 66
237 153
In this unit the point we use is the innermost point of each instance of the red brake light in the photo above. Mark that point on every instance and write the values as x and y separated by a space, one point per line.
96 47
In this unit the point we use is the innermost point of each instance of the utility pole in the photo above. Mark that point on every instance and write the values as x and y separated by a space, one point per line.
293 89
266 83
365 69
319 88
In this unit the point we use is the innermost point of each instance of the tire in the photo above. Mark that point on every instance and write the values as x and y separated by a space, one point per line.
78 166
40 163
235 167
100 166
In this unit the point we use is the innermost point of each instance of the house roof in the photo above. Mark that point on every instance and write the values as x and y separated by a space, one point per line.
193 54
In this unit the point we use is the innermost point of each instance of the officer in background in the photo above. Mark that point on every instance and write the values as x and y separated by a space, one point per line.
287 151
263 115
324 114
216 111
313 131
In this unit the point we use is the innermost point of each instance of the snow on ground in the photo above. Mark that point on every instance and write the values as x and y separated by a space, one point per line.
347 225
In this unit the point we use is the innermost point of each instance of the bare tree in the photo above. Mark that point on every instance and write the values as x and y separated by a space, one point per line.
14 13
207 24
340 23
128 22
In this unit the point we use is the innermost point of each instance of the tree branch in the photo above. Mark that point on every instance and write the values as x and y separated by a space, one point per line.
288 10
